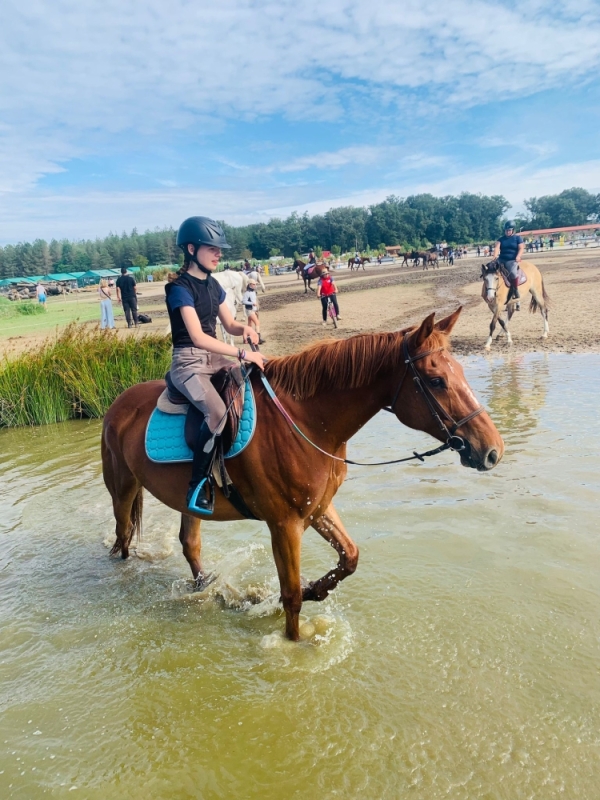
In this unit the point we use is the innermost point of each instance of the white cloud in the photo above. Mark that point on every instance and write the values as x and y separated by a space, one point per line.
80 74
360 155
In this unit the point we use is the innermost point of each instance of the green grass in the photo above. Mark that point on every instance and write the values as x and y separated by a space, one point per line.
60 312
77 375
11 310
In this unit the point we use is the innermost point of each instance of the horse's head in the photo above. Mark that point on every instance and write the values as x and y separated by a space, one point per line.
434 396
489 275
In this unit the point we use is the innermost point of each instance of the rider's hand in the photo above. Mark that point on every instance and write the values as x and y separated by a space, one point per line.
517 259
250 335
254 357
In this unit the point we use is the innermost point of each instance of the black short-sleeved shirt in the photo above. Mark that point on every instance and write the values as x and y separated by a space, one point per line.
204 295
509 246
126 285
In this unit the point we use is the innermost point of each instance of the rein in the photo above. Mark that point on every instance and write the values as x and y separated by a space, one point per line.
453 442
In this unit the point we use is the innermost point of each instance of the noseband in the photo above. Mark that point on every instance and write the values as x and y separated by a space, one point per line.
438 412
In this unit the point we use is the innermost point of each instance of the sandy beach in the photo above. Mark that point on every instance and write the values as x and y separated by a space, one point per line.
390 297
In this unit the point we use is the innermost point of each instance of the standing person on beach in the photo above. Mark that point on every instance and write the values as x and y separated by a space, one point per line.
250 301
194 301
126 295
41 295
107 319
326 288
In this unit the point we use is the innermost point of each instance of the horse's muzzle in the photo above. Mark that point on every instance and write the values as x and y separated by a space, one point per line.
483 463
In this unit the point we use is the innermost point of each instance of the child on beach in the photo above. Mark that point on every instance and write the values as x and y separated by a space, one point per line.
250 302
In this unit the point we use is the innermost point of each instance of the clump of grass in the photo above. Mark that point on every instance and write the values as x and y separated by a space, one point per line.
79 374
12 308
28 308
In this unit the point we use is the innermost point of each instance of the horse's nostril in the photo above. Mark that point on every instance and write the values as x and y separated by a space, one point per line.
492 458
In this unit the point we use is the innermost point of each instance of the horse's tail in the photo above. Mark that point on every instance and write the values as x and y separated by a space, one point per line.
136 514
545 295
534 305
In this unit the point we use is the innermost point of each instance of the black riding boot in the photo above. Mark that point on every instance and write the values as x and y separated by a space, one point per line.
201 497
516 295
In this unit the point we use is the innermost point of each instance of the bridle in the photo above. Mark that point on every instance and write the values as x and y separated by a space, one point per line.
438 412
493 268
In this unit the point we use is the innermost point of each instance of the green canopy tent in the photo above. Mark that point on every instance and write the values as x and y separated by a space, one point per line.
60 277
95 275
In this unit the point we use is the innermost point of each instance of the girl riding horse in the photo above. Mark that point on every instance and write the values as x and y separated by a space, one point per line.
194 301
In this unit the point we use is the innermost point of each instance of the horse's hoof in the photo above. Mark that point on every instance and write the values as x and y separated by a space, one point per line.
202 582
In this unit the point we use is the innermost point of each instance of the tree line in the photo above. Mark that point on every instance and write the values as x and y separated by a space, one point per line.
412 222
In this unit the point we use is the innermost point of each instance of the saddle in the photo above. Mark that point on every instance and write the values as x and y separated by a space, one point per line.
229 383
172 429
520 275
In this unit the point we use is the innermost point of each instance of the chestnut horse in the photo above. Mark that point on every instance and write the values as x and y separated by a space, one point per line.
352 263
313 273
290 482
495 292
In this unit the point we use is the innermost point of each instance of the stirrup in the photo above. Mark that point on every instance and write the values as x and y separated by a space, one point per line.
197 500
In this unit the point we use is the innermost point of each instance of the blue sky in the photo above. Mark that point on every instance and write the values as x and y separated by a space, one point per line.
117 114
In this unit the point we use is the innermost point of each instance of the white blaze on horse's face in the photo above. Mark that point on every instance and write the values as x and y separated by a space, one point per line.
491 285
470 394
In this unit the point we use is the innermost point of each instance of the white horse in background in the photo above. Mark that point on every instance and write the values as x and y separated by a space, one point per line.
256 277
234 284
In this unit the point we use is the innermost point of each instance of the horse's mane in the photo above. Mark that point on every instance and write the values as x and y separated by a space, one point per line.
345 363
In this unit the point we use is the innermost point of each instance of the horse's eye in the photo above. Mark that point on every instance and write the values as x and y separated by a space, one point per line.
437 383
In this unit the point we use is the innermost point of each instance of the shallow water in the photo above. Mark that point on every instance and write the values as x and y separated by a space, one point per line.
461 661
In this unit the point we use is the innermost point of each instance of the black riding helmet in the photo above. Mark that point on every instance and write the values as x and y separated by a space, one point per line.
201 230
509 224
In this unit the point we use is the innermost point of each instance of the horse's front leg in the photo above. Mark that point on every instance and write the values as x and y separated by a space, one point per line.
496 313
286 540
331 528
191 542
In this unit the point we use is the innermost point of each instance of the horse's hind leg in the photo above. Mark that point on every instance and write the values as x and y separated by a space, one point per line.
331 528
127 498
539 301
544 313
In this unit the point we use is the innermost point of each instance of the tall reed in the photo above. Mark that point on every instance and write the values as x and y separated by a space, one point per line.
79 374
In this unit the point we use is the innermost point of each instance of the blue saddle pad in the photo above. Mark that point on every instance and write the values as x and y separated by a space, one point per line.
165 439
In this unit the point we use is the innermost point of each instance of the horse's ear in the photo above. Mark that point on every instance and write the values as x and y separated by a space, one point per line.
425 330
445 325
483 270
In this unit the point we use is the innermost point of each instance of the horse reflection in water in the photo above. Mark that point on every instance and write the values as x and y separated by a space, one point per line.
517 391
330 390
